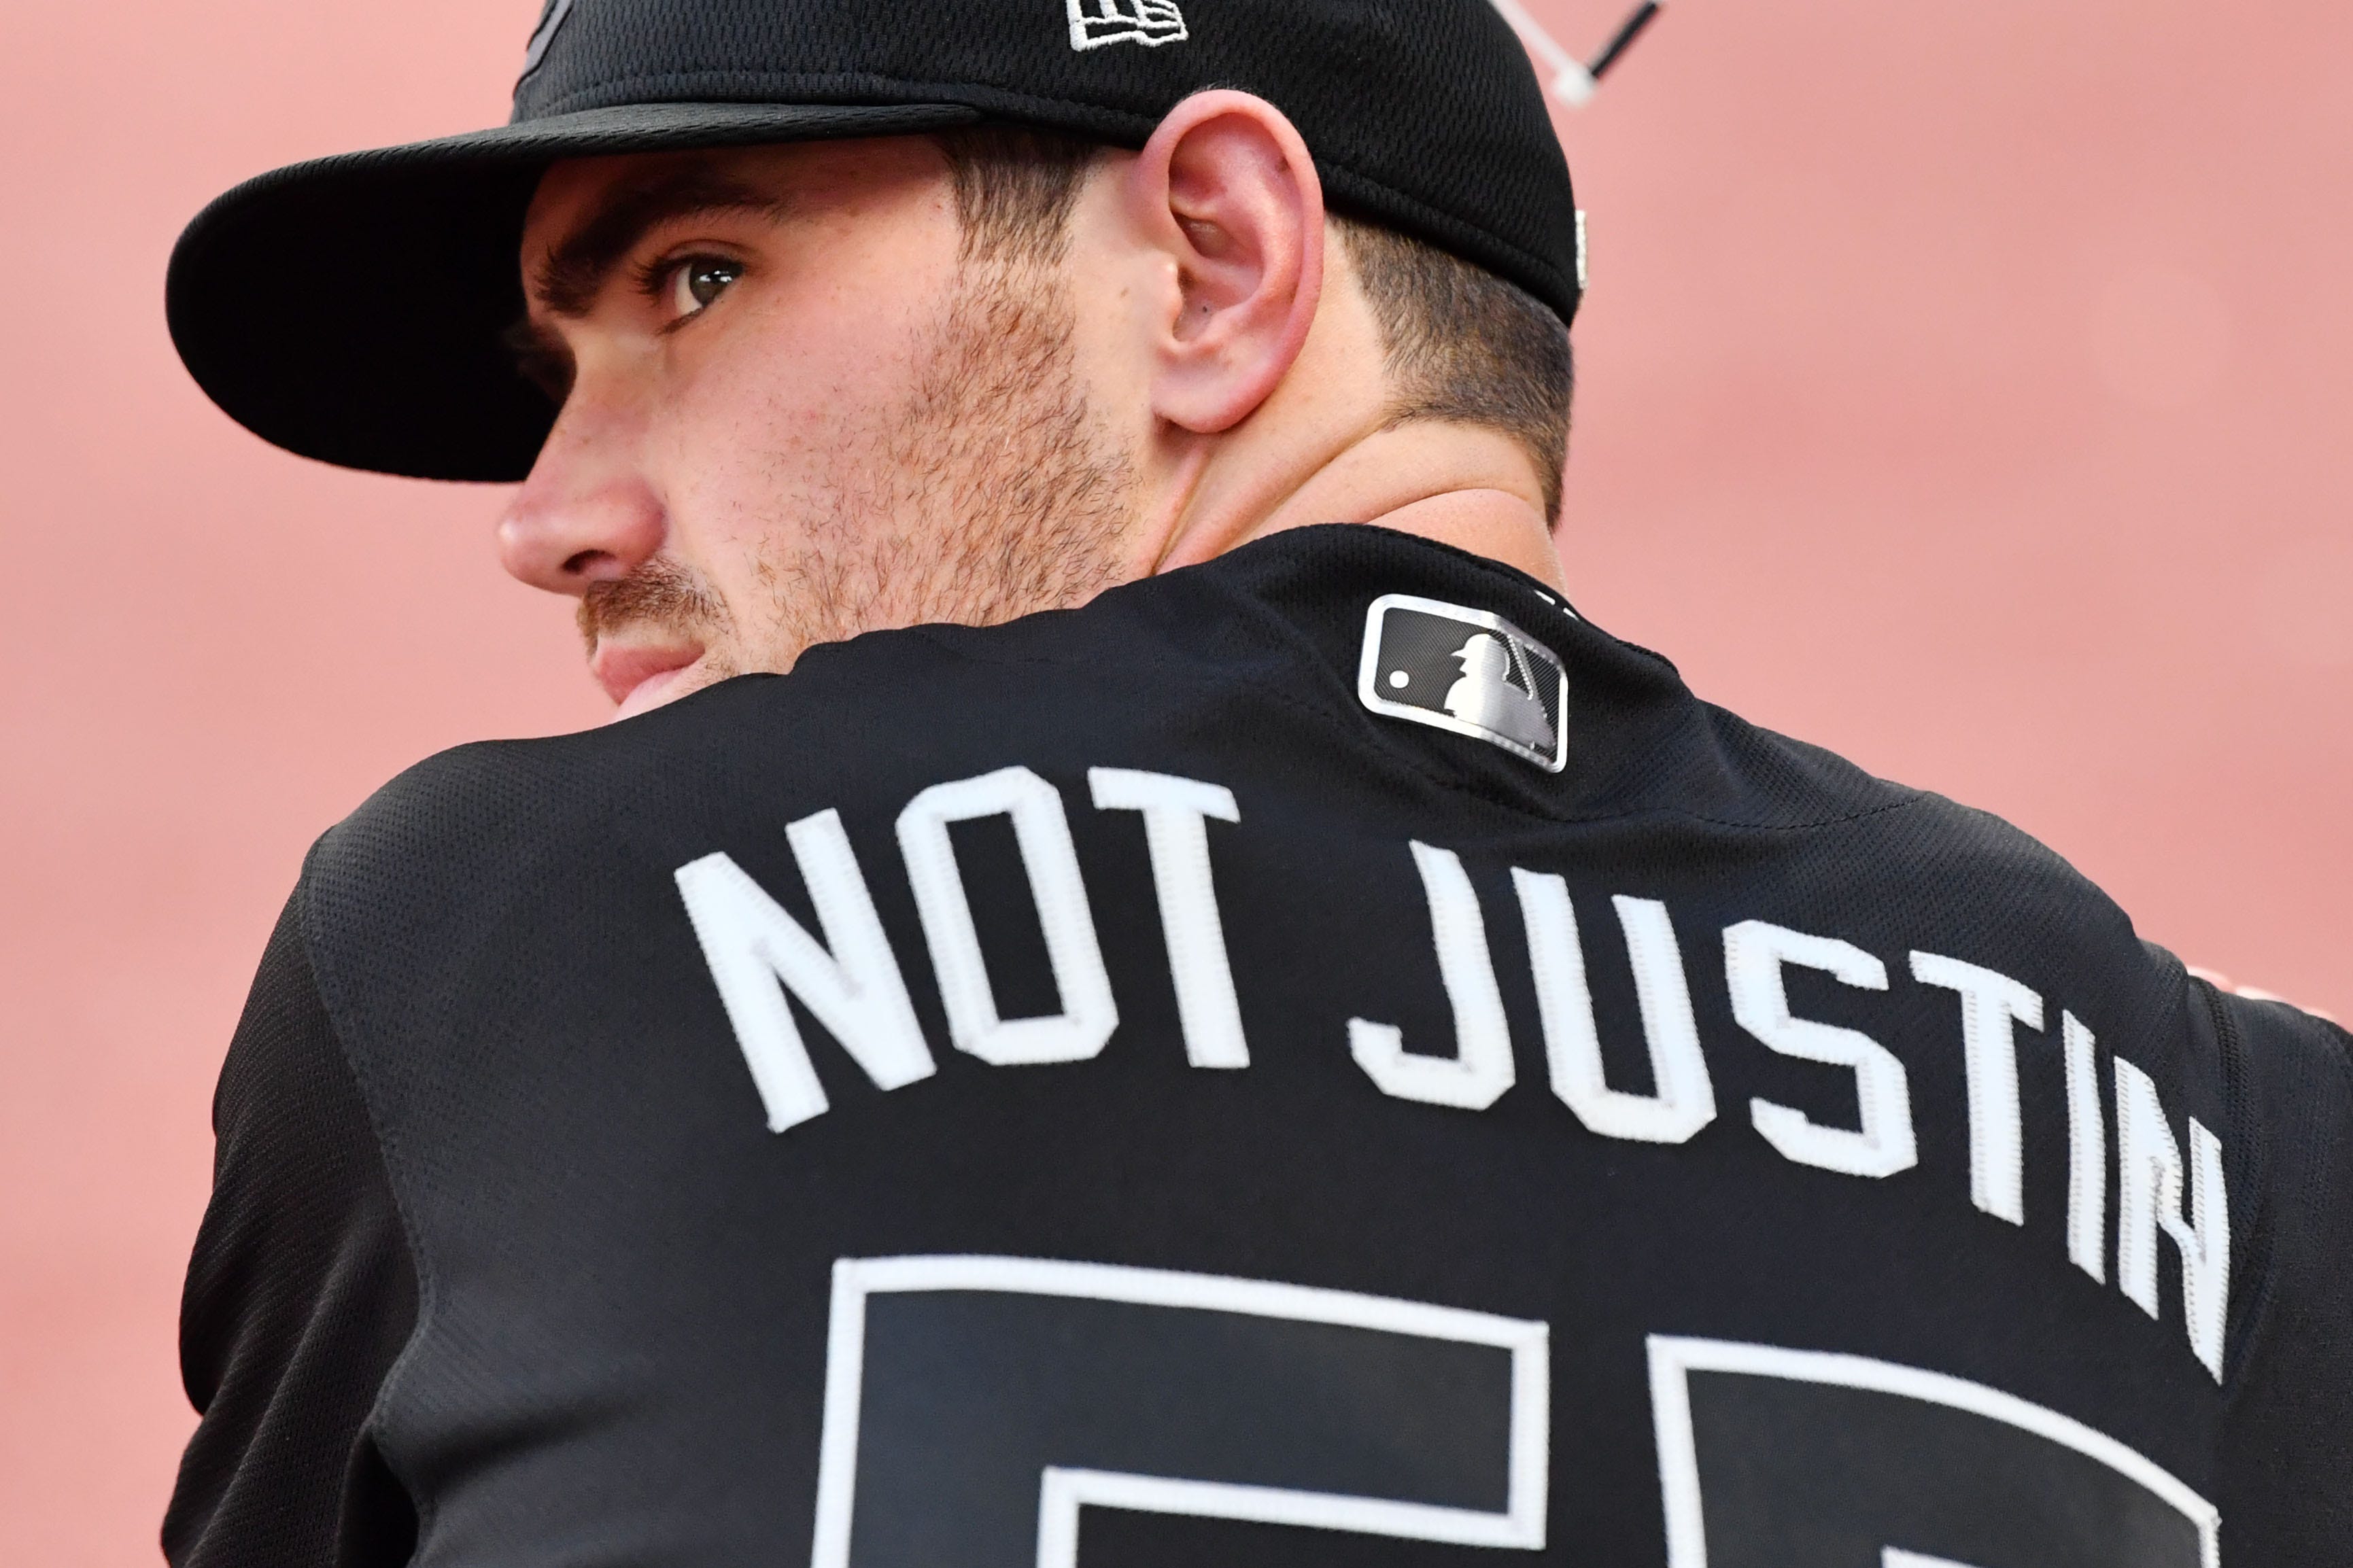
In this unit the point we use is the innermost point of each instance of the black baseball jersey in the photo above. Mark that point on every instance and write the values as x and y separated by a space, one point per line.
1320 1058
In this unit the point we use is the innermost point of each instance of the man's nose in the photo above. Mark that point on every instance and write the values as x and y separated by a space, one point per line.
586 513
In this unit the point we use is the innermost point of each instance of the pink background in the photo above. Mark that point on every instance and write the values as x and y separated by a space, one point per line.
1965 387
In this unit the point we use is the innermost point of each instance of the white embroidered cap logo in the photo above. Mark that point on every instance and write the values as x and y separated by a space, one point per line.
1468 671
1094 22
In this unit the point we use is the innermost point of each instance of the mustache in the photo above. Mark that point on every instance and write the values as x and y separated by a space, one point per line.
658 592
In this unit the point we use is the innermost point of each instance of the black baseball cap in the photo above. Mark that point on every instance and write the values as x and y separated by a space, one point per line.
352 308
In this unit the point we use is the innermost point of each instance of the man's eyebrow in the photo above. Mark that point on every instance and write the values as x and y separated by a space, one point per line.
575 269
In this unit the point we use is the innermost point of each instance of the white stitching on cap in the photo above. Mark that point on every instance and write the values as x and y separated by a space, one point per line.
1094 22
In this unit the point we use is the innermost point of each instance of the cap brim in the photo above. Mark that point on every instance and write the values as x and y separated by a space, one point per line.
352 308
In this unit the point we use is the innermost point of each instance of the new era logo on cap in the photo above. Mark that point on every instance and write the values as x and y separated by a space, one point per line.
1094 22
1466 671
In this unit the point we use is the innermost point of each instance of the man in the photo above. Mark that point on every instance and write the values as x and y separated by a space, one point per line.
1057 1031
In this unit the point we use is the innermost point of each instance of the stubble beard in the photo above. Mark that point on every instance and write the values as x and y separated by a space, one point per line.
988 493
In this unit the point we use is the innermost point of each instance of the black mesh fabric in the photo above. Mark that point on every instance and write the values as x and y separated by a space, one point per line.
299 1296
2286 1484
348 309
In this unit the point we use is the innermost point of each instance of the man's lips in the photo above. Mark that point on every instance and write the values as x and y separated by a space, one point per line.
639 676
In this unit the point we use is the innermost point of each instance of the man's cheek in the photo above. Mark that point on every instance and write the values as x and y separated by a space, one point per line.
787 388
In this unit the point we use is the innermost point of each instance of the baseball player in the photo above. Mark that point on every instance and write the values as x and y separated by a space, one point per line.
1135 987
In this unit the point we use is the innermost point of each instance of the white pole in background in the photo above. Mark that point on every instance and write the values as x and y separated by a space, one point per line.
1573 80
1570 80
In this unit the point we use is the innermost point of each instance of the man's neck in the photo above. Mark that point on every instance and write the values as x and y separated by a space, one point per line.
1460 485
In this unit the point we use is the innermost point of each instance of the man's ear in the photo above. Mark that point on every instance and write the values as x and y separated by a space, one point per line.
1225 190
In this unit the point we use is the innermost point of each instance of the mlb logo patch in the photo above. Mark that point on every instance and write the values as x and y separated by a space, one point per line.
1466 671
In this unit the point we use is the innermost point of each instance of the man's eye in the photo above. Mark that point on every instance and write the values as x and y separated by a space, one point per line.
699 281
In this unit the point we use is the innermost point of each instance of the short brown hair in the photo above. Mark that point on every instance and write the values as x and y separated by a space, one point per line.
1459 343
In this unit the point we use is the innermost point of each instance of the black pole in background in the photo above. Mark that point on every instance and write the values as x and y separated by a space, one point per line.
1623 38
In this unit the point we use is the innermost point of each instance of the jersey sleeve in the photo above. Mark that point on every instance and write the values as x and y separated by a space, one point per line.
2287 1454
300 1294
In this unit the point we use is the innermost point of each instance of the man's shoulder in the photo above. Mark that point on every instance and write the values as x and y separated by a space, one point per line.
1878 832
853 723
2308 1055
1192 670
1242 673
